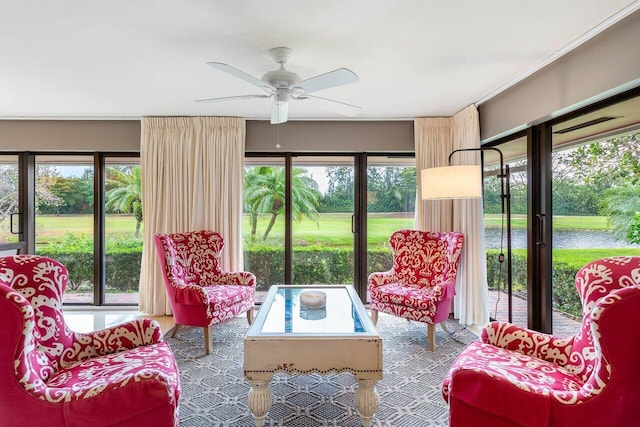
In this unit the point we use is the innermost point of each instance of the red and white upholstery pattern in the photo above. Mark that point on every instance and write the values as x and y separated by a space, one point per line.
422 280
200 293
538 379
51 375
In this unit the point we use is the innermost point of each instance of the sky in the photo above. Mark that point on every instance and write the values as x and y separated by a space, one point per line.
319 174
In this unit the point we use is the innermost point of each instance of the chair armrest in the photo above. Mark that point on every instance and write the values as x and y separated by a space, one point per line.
125 336
448 289
189 294
525 341
243 278
382 278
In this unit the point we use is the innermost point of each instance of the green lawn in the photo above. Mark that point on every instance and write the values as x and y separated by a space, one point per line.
579 257
51 227
331 229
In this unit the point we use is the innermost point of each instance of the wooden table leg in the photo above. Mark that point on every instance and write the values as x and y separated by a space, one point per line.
367 400
259 400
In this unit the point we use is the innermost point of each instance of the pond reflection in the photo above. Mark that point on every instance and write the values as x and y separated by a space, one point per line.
562 239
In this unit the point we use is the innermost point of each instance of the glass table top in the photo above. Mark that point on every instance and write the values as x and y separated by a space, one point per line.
308 310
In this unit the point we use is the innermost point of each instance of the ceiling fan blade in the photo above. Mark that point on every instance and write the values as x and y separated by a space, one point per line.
279 112
336 106
229 98
339 77
242 75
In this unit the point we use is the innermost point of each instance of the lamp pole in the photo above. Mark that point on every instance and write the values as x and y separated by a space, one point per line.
505 197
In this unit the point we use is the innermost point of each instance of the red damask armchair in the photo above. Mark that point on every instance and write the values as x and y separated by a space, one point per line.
518 377
422 281
50 376
200 293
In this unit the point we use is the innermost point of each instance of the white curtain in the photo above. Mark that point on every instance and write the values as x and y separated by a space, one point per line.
435 139
192 178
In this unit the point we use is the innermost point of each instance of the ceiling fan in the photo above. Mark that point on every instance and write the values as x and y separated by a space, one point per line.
284 85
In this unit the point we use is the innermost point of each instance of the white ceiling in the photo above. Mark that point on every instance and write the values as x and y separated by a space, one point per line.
415 58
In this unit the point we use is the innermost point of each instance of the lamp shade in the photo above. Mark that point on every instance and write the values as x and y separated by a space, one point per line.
451 182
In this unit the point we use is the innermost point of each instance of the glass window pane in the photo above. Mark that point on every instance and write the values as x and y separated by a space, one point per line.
8 198
596 200
323 206
123 230
495 231
391 199
64 219
263 221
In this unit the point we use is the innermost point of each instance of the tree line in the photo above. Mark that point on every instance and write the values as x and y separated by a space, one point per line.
60 195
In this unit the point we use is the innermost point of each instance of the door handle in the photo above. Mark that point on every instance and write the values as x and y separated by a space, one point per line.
353 224
11 223
540 218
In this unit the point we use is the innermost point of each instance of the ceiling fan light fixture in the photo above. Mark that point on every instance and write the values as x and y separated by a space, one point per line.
279 112
281 96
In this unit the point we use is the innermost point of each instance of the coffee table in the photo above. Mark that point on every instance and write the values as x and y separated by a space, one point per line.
290 337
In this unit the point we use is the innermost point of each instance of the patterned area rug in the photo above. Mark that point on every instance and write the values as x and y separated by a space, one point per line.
214 392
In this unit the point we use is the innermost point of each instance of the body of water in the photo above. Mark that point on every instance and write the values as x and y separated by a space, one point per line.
562 239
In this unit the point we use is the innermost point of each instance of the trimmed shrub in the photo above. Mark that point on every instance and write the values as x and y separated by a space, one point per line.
123 258
565 295
311 264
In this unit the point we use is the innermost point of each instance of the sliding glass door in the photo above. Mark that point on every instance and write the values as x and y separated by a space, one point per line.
263 220
64 227
508 295
123 223
391 201
322 219
596 199
83 210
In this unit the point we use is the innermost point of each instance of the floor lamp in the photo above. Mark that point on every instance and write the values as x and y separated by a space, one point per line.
465 181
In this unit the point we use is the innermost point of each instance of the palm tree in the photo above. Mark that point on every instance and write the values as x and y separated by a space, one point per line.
125 193
265 194
252 194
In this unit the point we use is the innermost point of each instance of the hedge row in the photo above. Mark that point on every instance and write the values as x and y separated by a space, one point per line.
311 264
123 258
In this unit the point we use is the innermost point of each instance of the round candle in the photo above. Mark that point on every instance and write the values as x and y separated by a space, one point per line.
313 299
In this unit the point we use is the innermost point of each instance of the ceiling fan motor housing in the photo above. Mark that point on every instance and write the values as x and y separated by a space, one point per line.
281 79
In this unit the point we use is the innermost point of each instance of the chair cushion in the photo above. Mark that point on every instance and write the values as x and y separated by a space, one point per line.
410 296
91 377
528 373
224 296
